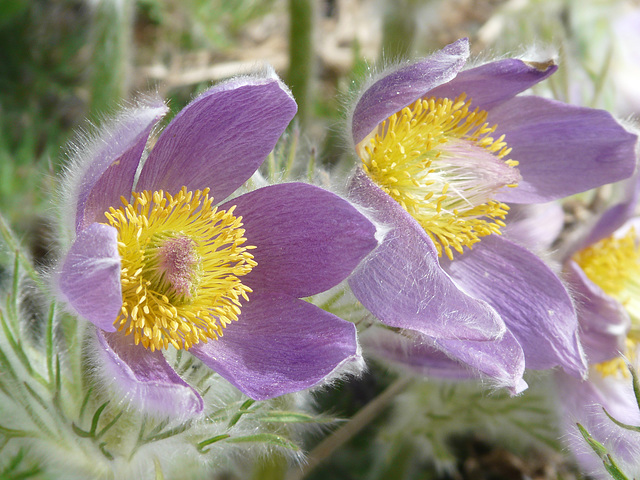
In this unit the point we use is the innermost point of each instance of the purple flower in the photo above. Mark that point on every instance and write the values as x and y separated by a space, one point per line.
444 151
155 264
604 273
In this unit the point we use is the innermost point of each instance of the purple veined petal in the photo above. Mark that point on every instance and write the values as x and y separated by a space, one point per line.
220 138
501 362
307 239
562 149
280 344
534 226
401 281
604 322
115 156
89 279
417 356
615 217
490 85
611 220
401 87
582 402
529 297
144 378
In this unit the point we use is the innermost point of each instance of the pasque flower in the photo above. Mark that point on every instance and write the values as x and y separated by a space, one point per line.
444 153
157 262
604 272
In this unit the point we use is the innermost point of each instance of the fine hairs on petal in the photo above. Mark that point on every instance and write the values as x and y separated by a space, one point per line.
384 344
261 73
107 380
390 91
83 154
349 98
353 366
382 228
588 460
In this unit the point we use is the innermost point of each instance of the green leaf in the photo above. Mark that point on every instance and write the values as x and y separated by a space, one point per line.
597 447
11 473
244 408
613 469
96 417
104 451
11 433
293 417
269 438
80 432
609 463
200 446
636 384
620 424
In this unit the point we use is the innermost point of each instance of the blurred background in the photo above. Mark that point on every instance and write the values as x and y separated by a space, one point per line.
65 63
62 61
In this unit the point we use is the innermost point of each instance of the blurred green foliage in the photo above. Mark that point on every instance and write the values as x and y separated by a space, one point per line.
62 61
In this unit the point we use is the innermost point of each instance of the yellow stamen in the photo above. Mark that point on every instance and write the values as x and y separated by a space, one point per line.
617 367
439 161
613 264
187 258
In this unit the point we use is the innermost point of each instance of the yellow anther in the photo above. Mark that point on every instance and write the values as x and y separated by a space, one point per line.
439 147
188 259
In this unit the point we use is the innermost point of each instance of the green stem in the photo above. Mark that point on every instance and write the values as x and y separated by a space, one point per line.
350 428
398 30
112 36
301 56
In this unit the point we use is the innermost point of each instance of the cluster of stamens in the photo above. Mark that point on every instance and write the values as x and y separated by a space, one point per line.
182 263
437 158
613 264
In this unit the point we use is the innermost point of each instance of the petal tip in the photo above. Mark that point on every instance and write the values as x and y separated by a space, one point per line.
143 379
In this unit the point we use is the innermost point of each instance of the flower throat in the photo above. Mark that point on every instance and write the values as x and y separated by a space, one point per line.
182 263
439 161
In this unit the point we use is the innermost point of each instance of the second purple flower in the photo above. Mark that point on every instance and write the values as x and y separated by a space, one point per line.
444 152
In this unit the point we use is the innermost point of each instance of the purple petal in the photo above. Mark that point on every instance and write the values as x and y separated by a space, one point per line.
494 83
145 378
220 138
610 221
582 402
528 296
501 362
562 149
114 159
90 276
307 239
401 87
402 283
616 216
604 322
416 353
534 226
279 345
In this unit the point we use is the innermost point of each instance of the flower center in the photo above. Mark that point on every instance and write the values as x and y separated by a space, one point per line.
439 161
182 260
613 264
